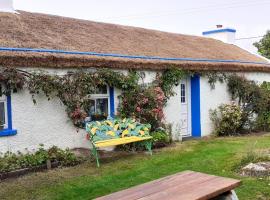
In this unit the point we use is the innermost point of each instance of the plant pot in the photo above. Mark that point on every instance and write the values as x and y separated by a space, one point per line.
98 117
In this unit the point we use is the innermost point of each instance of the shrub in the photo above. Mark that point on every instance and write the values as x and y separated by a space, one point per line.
263 118
11 161
160 138
227 119
254 101
145 104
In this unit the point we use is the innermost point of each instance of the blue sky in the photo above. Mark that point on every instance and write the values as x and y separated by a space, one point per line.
249 17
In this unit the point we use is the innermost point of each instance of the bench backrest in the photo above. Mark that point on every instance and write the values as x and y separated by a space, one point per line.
116 128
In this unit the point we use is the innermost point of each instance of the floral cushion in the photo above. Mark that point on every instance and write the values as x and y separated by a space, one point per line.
116 128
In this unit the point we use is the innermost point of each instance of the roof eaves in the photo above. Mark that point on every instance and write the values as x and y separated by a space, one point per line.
30 50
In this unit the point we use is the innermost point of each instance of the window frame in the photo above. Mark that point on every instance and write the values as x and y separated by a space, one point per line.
7 129
183 93
107 96
3 99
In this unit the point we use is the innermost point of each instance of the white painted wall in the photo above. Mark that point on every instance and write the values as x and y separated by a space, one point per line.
212 98
45 123
227 37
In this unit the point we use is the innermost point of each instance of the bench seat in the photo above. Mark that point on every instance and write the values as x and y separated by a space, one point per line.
115 132
119 141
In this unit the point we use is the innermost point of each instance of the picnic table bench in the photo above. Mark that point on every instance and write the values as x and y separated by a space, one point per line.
186 185
117 132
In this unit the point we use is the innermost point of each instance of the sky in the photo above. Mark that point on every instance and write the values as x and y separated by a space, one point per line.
251 18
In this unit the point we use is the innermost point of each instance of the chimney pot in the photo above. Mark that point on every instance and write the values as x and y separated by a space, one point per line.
219 26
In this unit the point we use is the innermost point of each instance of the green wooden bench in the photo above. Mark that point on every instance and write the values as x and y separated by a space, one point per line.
117 132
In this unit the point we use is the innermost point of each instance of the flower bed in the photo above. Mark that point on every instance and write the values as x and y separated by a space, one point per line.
13 165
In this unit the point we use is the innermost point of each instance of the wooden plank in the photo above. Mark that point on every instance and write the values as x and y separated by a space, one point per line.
151 187
202 190
141 187
185 185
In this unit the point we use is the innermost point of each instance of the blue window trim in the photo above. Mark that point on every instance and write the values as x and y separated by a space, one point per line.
9 131
195 106
219 31
112 102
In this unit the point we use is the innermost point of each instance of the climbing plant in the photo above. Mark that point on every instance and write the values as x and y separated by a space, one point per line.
73 89
12 79
254 101
170 78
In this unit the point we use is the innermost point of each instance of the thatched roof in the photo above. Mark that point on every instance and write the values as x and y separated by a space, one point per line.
32 30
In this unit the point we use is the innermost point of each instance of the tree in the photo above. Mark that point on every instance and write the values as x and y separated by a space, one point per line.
263 45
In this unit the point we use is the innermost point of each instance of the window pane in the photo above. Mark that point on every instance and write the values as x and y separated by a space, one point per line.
183 93
91 107
2 114
101 90
102 106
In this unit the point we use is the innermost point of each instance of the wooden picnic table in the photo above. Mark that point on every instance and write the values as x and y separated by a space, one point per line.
187 185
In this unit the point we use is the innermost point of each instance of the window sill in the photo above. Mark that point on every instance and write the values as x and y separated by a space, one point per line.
7 132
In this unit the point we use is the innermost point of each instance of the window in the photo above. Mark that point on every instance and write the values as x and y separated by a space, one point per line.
3 111
183 93
5 115
98 106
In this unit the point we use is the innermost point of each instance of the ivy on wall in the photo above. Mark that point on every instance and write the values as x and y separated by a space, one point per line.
73 90
254 100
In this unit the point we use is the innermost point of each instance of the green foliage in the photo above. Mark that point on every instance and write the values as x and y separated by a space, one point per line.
169 79
213 77
263 45
160 138
227 119
248 93
73 89
253 99
86 181
12 79
144 104
10 161
263 117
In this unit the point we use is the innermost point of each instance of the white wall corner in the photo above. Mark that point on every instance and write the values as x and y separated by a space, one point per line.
226 35
7 6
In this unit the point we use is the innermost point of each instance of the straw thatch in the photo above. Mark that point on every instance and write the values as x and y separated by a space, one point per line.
33 30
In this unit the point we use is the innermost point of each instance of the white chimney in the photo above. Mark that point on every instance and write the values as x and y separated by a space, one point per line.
226 35
7 6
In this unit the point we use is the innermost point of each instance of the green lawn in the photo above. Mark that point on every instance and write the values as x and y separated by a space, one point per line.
213 156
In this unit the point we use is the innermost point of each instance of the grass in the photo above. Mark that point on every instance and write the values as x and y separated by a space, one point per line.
214 156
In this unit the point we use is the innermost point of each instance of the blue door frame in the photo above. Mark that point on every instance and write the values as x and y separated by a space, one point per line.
195 106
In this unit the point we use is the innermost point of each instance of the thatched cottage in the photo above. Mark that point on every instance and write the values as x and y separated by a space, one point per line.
32 42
